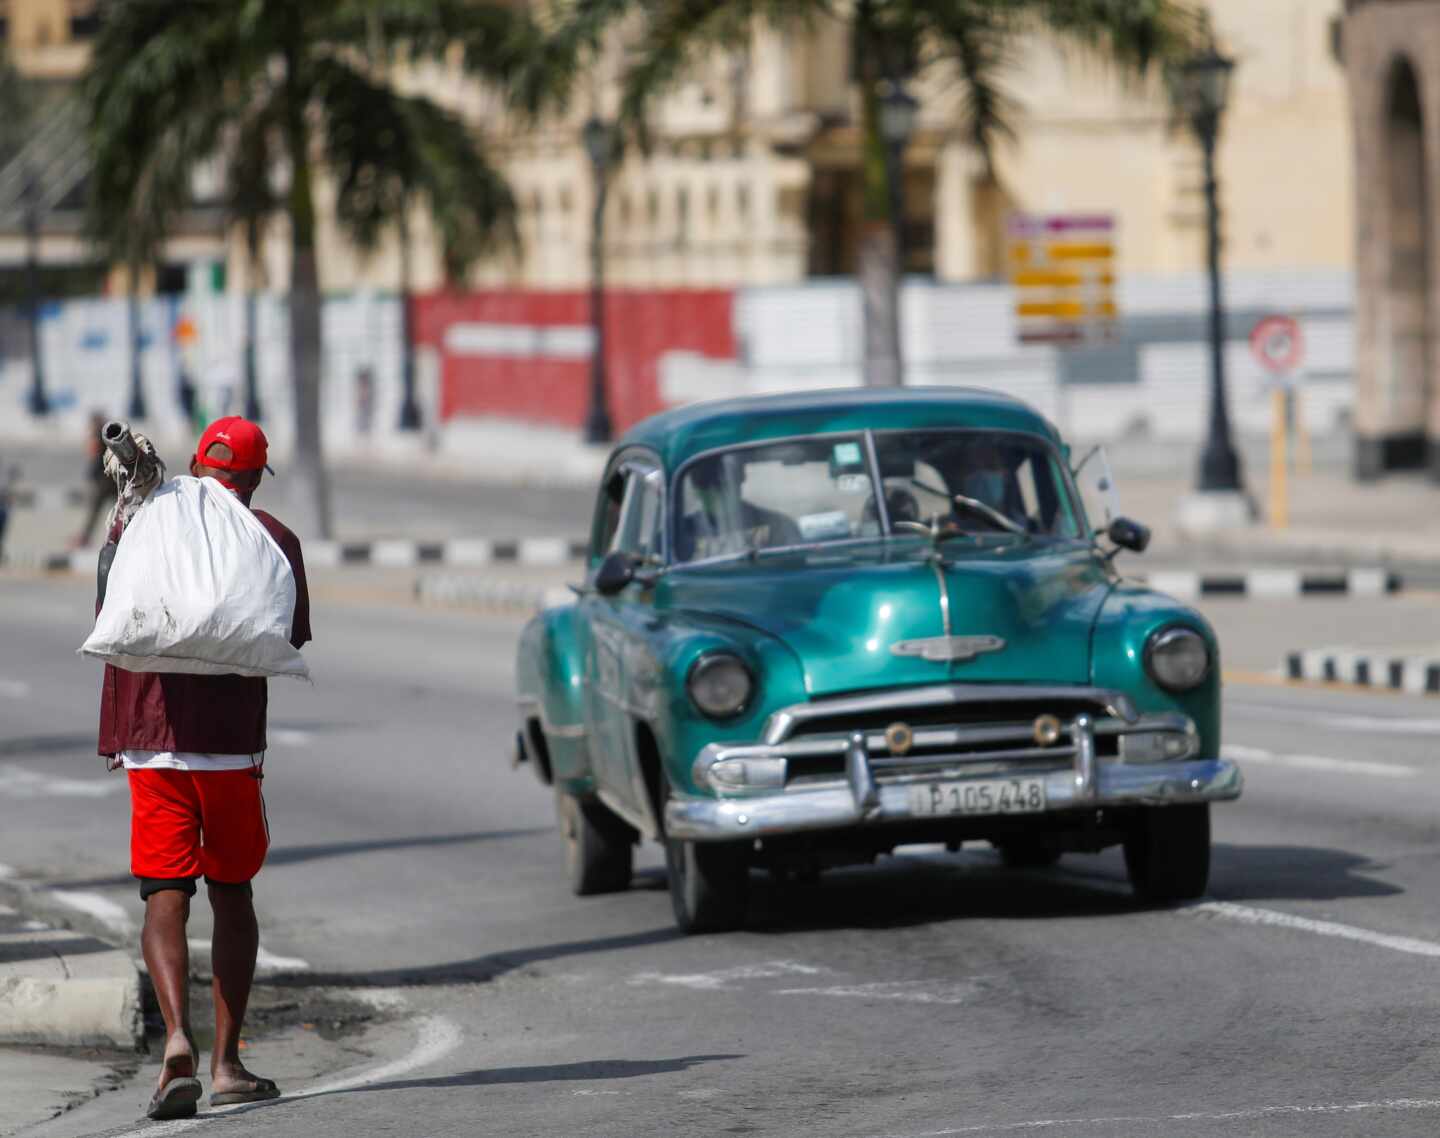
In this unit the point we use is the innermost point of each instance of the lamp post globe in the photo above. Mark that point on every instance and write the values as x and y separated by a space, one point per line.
1199 91
596 136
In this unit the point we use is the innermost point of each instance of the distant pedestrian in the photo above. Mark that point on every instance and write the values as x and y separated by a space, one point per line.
194 748
7 499
99 489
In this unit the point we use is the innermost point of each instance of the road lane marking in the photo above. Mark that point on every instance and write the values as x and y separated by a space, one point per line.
1248 915
436 1037
290 737
14 689
1193 1116
1345 721
1244 754
17 782
726 977
107 912
266 962
903 991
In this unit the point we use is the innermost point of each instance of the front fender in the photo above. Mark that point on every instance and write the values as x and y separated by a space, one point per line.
549 686
681 730
1130 614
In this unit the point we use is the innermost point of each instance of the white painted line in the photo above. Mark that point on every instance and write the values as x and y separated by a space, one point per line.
290 737
1178 584
8 871
544 551
1243 754
265 960
903 991
1367 582
1273 583
14 689
1345 721
322 554
436 1037
469 551
726 977
394 554
1249 915
17 782
1194 1116
112 915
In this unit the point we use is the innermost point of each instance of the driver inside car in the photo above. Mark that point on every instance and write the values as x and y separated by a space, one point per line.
725 522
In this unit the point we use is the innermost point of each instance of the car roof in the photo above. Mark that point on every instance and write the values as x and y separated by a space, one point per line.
684 432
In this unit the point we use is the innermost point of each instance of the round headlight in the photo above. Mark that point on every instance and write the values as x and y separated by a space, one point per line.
721 685
1177 658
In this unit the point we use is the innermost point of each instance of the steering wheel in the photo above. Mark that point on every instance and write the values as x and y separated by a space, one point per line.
900 505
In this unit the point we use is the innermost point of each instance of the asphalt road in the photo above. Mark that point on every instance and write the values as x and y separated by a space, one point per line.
931 994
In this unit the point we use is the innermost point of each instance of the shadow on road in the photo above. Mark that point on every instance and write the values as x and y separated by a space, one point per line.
921 889
477 968
291 855
1293 873
550 1073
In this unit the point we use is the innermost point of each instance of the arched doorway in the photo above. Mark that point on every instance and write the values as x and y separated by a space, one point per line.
1405 313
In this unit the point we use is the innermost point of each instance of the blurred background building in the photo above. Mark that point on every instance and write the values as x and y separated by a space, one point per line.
730 248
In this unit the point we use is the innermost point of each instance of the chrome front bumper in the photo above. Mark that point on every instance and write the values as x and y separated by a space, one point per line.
1113 784
875 788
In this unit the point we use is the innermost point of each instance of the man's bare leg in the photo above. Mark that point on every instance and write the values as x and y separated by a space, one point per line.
167 956
232 955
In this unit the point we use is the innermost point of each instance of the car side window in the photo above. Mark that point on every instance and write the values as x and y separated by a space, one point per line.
607 514
641 515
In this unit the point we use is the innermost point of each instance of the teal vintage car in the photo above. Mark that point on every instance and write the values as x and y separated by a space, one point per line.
819 626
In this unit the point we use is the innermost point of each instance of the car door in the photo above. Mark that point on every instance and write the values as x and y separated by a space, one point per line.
621 678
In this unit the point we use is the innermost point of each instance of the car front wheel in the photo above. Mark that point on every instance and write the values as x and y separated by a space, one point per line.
709 884
599 847
1167 853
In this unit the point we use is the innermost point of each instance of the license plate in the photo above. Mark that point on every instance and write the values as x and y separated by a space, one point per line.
988 796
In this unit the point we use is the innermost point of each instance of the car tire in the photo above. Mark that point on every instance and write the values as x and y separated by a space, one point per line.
1027 855
1167 853
599 847
709 884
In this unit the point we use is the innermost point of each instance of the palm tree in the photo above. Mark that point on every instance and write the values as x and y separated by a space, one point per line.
269 86
893 41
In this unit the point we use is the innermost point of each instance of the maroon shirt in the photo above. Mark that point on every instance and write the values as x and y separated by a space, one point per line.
208 715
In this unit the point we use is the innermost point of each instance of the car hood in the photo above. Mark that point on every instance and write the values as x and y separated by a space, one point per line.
843 612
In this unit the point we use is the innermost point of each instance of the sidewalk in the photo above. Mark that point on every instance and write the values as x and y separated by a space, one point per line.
509 482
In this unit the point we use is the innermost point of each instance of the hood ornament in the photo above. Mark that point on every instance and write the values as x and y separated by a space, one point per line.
947 649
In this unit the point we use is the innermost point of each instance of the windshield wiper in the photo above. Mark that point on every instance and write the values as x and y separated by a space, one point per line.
975 505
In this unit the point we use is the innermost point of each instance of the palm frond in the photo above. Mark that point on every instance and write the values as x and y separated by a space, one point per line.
386 149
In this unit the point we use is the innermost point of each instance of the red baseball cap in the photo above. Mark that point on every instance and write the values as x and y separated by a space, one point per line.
246 441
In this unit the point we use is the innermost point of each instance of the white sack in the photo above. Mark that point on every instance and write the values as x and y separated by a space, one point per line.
198 585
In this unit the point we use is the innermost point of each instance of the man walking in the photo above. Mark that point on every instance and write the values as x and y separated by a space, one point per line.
194 747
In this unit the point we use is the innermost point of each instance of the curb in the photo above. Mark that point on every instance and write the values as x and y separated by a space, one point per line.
64 988
46 497
457 590
1278 584
386 554
1417 675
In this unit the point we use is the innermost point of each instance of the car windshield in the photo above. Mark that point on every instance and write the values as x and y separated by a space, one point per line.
976 482
812 491
778 494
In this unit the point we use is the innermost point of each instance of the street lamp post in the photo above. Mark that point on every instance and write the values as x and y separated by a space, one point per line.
39 402
897 114
1200 87
409 406
597 137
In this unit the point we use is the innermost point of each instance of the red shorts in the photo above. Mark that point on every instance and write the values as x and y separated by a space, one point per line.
187 823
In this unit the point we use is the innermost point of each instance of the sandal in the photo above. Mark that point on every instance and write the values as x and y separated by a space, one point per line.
176 1099
263 1090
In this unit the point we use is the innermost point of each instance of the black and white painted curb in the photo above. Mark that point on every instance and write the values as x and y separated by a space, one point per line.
459 552
1418 674
46 497
460 590
1277 584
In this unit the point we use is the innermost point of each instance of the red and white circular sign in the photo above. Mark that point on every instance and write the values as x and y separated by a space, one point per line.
1278 344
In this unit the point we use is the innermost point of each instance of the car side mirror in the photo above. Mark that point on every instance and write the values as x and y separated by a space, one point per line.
615 572
1129 534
